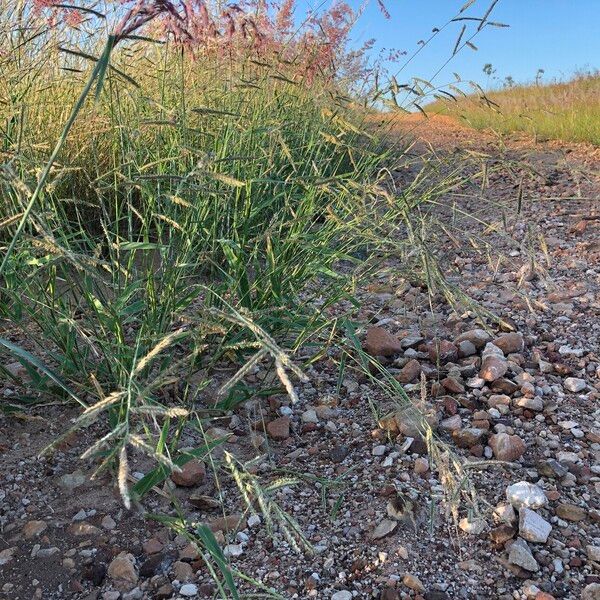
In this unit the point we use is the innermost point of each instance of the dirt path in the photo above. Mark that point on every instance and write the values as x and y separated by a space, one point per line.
370 501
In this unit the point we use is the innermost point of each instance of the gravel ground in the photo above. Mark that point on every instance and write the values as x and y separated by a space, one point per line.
514 406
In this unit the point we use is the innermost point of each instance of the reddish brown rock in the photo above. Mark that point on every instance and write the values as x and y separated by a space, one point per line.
437 389
450 405
510 343
477 450
149 567
389 593
453 385
593 435
504 386
189 553
419 446
575 562
226 523
410 372
82 529
579 227
411 421
380 342
192 473
502 533
182 571
496 400
279 429
468 437
493 367
442 351
33 529
478 337
413 582
152 546
507 447
164 591
563 368
122 571
468 403
453 423
421 466
389 424
570 512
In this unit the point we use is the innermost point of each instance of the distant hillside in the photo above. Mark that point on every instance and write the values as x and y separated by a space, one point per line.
567 111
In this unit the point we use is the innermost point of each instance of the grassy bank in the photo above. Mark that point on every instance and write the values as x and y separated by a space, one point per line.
568 111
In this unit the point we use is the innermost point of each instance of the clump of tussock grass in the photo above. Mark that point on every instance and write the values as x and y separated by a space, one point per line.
181 213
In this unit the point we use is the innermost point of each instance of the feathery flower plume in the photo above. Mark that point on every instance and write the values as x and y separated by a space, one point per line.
122 477
137 14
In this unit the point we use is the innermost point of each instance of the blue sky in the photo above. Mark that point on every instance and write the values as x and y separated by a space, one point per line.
559 36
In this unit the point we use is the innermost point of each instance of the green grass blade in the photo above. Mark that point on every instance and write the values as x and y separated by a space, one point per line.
38 364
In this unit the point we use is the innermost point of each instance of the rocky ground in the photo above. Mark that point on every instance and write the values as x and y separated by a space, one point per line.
498 497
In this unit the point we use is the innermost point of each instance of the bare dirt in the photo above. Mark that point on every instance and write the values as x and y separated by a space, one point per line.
520 235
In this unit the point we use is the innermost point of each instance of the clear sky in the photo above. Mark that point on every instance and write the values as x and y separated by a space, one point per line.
559 36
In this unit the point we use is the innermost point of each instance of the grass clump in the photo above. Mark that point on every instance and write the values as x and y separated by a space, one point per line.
171 238
191 207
